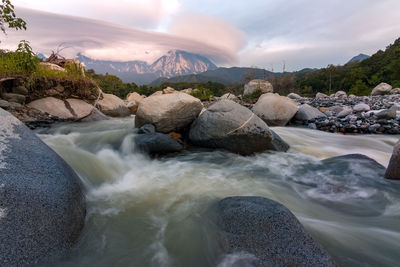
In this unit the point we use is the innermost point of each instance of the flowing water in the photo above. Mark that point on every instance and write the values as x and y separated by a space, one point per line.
153 212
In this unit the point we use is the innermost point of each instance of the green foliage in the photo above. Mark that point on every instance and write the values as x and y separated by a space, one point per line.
22 61
202 93
8 17
253 97
356 77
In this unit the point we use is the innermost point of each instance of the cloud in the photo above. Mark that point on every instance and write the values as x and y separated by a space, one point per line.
139 13
103 40
210 30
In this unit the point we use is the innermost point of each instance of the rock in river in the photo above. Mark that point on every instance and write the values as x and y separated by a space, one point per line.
42 207
267 231
228 125
168 112
308 113
275 110
393 170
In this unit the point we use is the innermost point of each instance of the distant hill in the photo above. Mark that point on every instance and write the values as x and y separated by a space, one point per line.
176 62
226 76
356 77
359 58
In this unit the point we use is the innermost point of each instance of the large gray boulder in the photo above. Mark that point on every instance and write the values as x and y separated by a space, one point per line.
308 113
268 232
258 85
42 207
168 112
381 89
157 143
69 109
228 125
112 105
275 110
393 170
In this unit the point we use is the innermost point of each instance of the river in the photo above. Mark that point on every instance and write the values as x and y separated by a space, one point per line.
153 212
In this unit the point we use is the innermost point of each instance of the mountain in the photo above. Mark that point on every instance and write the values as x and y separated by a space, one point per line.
175 63
226 76
359 58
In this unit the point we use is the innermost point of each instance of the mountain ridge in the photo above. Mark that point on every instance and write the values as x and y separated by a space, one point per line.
174 63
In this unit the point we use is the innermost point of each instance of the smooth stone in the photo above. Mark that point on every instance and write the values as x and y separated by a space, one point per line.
134 97
10 97
275 110
228 125
362 107
393 170
147 129
294 96
42 202
387 114
4 104
308 113
344 113
257 85
381 89
268 231
111 105
157 143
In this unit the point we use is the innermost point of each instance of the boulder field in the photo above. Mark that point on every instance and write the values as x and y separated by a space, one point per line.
42 205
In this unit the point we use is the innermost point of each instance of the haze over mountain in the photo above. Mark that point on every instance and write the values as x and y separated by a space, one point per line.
175 63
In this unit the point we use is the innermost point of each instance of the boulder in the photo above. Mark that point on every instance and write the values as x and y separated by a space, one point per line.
134 97
277 143
229 96
113 106
393 170
341 165
157 143
17 98
168 112
230 126
381 89
294 96
321 96
169 90
275 110
267 231
308 113
70 109
51 66
42 206
362 107
341 94
258 85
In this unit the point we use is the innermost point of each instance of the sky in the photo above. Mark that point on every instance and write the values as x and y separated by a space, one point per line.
270 34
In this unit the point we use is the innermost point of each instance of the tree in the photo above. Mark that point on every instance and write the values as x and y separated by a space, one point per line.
8 17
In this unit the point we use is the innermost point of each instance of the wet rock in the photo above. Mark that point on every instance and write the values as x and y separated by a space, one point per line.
41 199
381 89
95 115
113 106
258 85
275 110
168 112
393 170
228 125
147 129
340 164
268 231
278 144
157 143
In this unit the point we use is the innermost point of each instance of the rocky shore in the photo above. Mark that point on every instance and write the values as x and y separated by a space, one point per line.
350 114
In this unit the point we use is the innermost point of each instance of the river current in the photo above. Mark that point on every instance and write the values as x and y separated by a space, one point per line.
153 212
